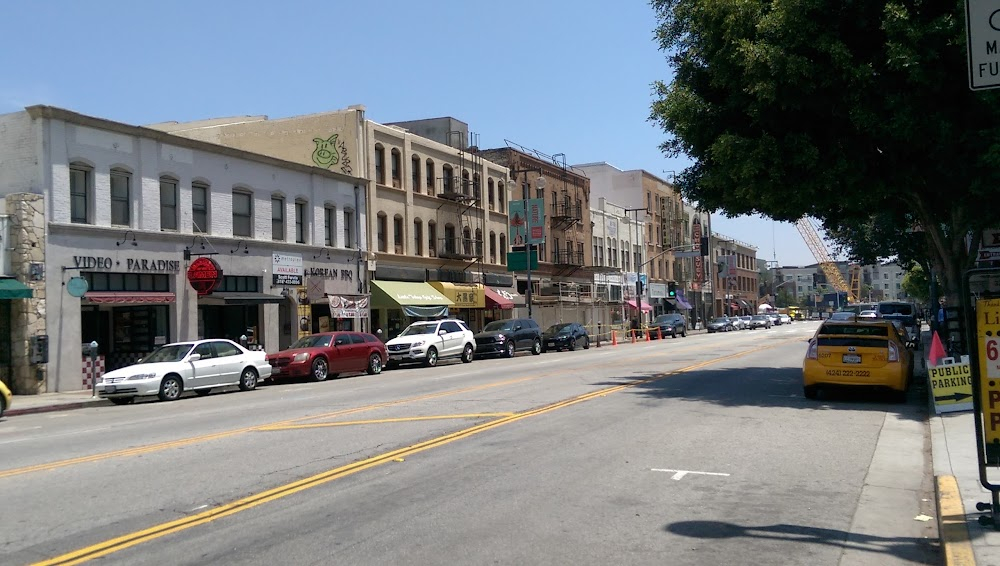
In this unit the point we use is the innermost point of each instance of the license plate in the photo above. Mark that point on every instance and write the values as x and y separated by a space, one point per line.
109 388
852 358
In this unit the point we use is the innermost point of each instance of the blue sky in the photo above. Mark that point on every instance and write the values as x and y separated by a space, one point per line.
561 76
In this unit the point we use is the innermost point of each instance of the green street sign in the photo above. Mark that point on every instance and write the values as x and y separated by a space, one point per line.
517 261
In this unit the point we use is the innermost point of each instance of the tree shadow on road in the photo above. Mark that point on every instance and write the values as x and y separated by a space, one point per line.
913 549
769 387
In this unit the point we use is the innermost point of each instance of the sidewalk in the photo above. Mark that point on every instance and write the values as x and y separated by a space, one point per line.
47 402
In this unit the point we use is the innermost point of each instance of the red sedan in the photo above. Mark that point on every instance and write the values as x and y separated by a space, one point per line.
329 354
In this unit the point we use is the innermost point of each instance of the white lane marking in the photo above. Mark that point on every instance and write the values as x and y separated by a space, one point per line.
678 474
199 508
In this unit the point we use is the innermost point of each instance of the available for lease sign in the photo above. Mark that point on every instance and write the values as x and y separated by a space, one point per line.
286 269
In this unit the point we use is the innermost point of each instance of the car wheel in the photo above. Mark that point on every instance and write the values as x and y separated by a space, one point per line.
684 333
320 370
572 344
374 364
536 347
122 400
248 379
810 391
170 388
467 353
203 392
586 342
509 351
432 357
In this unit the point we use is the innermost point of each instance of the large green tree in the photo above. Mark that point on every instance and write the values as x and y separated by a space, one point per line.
856 112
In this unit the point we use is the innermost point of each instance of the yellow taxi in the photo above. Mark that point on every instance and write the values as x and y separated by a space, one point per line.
858 353
5 398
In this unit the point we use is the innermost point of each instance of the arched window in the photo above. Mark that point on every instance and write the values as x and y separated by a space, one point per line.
397 234
466 241
432 238
379 164
382 225
501 197
418 237
466 189
81 189
448 178
493 247
479 243
477 191
449 239
396 162
415 173
489 193
430 177
503 249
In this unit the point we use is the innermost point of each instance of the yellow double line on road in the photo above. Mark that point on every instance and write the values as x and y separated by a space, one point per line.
145 449
132 539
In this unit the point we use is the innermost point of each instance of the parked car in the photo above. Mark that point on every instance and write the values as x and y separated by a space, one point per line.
671 324
902 311
506 337
720 324
329 354
427 342
567 335
747 319
868 314
199 366
857 353
843 315
5 398
775 319
737 322
760 321
785 319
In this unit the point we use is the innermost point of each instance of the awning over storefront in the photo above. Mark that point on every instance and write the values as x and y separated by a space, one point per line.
128 297
745 304
415 299
645 305
14 289
511 295
233 298
495 300
465 296
682 304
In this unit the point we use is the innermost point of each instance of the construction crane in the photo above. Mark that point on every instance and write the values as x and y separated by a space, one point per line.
826 263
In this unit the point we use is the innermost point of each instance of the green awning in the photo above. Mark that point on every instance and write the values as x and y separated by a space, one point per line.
393 294
13 289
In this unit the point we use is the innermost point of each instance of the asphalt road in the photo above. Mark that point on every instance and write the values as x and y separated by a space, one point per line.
698 450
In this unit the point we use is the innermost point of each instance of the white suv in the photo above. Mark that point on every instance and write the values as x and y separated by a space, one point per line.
429 341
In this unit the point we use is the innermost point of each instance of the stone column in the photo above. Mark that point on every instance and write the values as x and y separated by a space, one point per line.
27 231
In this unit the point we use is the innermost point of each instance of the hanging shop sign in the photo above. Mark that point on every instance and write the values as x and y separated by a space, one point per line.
77 286
348 306
204 275
286 269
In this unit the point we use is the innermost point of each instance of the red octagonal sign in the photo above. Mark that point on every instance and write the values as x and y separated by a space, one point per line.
204 275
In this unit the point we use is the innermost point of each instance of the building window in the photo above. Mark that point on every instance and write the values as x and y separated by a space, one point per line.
79 193
329 228
430 177
168 203
348 228
300 222
449 238
121 203
397 234
493 247
277 218
448 178
418 237
489 193
199 207
379 164
431 238
466 241
477 190
242 214
415 173
397 168
479 243
465 182
382 226
503 248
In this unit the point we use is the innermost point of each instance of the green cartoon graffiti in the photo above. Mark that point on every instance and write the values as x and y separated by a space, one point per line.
325 153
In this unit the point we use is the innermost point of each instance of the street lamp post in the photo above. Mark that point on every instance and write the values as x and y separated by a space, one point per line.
539 184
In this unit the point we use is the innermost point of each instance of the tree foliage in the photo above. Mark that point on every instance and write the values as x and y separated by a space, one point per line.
855 112
917 285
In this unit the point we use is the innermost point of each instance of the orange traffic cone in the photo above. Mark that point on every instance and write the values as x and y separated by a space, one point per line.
659 333
937 350
614 337
647 334
633 336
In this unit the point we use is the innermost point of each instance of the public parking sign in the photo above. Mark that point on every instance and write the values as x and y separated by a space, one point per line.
982 24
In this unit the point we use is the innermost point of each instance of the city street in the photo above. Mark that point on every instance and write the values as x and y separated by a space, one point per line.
697 450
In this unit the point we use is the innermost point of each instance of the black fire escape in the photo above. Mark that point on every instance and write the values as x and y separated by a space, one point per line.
460 216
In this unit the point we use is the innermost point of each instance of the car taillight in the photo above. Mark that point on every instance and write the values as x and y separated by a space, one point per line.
893 352
813 352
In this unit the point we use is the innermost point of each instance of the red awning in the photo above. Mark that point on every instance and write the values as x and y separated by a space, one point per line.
128 297
645 305
496 300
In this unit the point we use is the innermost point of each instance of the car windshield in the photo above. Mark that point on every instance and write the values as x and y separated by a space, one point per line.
416 329
498 325
760 317
665 318
168 353
863 329
842 316
721 320
314 341
896 308
558 328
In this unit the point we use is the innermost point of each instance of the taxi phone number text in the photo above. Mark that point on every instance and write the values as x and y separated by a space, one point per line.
848 373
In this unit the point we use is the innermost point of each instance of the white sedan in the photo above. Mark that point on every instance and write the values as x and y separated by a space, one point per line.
198 366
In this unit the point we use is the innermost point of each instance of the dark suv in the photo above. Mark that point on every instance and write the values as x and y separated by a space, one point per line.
670 325
506 337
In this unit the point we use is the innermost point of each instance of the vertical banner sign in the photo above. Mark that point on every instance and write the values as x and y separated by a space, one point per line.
536 221
988 335
517 223
699 260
